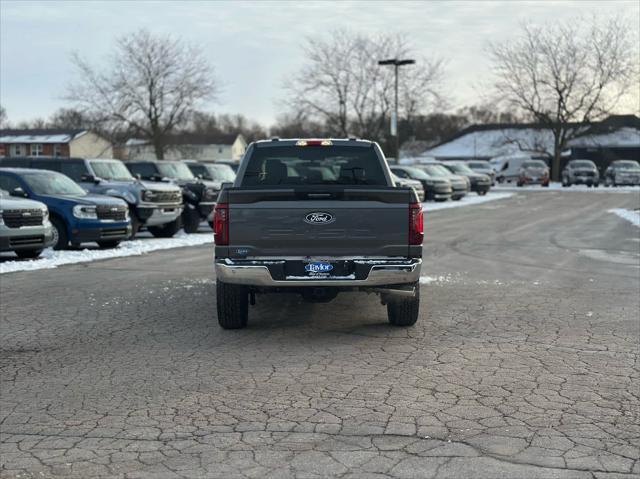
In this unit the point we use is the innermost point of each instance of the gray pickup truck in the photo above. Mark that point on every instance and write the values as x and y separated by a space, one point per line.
317 217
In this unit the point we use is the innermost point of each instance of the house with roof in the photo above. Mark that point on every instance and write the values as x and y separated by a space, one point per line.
190 146
615 138
65 142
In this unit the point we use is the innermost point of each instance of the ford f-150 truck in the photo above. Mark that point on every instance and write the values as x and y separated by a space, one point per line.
317 217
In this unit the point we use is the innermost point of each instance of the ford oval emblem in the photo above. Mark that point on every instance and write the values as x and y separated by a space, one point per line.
319 218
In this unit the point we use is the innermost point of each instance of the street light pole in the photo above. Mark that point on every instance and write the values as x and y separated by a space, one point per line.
395 121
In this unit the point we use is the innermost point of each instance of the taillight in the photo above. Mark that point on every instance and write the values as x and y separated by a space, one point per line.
221 224
416 224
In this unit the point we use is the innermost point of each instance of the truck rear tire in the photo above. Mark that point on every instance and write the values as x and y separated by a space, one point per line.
166 230
404 311
232 305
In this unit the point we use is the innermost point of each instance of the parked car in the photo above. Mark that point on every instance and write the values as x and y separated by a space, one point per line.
279 229
215 172
480 183
24 226
199 196
435 188
233 164
76 216
156 206
622 172
534 172
409 183
460 185
579 172
483 167
508 167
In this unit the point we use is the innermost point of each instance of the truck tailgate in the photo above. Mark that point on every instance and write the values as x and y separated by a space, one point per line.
371 222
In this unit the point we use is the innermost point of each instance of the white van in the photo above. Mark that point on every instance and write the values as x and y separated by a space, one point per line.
507 167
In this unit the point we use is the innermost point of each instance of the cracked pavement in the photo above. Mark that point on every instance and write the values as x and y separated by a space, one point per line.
523 364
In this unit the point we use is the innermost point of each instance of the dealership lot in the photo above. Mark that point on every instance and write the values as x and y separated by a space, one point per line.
522 364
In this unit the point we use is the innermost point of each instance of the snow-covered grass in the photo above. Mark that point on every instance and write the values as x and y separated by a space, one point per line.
632 216
469 200
52 259
574 188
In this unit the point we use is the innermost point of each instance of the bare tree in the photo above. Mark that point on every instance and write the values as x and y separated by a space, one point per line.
69 118
567 75
151 86
4 120
342 85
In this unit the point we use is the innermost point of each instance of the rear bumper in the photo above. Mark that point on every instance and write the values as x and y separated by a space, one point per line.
380 272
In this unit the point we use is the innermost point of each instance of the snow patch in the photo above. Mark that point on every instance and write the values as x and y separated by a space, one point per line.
632 216
569 189
52 259
469 200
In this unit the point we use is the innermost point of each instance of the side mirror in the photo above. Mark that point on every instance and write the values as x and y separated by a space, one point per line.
19 192
90 179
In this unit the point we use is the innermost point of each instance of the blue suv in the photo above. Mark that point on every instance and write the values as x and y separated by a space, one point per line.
76 216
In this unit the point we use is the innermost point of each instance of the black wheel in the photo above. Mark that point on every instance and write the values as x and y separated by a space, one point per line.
28 253
500 179
60 236
404 311
595 185
108 244
190 219
520 184
233 305
482 192
135 225
565 183
166 230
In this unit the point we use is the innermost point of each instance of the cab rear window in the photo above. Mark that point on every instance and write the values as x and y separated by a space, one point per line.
314 165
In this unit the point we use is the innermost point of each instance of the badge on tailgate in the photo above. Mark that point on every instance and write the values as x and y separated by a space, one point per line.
319 218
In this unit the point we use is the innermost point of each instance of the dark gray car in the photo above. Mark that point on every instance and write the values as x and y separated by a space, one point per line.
460 185
480 183
435 187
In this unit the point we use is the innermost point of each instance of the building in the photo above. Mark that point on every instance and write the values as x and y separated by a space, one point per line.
190 147
54 142
617 137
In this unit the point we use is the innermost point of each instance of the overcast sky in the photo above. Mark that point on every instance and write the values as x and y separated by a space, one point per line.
255 46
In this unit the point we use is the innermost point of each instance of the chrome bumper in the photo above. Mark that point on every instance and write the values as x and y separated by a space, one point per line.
162 216
383 272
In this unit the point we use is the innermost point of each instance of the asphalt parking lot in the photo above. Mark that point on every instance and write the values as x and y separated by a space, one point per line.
523 364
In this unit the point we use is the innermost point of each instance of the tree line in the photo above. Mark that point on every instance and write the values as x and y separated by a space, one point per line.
155 87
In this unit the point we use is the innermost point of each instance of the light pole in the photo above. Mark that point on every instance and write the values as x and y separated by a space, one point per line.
394 121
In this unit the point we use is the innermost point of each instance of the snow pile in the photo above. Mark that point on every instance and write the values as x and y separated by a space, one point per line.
632 216
574 188
469 200
52 259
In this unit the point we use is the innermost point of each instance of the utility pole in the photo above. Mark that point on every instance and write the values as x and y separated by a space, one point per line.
394 120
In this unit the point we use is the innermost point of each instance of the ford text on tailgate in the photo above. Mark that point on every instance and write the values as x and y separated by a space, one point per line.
317 217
